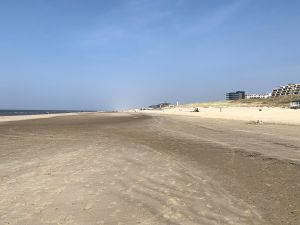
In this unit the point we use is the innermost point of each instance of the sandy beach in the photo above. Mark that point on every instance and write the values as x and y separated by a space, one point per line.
249 114
150 112
142 168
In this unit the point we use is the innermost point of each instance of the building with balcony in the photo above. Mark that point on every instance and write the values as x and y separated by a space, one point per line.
290 89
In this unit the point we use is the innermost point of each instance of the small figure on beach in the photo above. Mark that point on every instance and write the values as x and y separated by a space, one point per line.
259 122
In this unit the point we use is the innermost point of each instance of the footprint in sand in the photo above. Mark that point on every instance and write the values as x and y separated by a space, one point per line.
88 206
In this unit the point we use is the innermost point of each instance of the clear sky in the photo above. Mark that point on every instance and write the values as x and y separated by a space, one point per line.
99 54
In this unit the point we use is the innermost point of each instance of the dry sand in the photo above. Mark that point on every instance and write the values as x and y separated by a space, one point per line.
125 168
250 114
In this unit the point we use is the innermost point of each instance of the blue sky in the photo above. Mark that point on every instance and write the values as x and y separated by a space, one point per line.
96 54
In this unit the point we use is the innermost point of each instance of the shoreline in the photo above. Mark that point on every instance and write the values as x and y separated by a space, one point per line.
268 115
33 117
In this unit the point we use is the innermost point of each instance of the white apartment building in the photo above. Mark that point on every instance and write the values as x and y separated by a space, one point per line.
290 89
255 96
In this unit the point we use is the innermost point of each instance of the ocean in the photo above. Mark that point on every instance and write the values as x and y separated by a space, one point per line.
8 112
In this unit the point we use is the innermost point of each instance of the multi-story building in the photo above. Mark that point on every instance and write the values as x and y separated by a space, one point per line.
235 95
290 89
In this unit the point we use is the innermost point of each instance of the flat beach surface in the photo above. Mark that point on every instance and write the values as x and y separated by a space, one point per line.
250 114
135 168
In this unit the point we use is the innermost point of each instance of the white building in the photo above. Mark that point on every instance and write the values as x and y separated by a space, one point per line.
256 96
290 89
295 105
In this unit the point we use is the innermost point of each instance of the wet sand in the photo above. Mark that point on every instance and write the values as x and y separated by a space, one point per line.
33 117
124 168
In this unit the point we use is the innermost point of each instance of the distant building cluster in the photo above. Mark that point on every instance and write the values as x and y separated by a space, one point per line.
161 105
290 89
